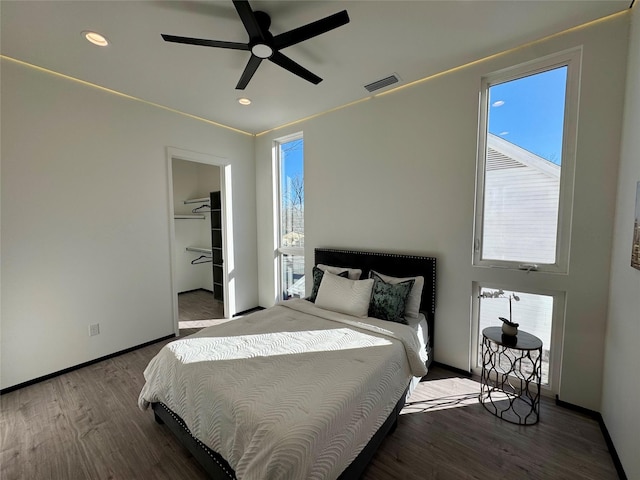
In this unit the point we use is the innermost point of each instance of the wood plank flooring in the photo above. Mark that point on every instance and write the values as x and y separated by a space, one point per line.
86 425
454 437
197 308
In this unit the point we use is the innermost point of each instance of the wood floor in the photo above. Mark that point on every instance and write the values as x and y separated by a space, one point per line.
86 425
197 308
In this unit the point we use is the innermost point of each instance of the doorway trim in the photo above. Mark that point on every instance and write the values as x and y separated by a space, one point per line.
174 153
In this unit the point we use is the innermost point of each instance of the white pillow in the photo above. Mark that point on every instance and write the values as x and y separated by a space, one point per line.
352 273
344 295
412 308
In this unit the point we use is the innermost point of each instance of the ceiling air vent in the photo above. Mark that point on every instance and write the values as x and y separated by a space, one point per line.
383 82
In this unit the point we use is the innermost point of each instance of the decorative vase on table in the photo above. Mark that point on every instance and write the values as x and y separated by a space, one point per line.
508 327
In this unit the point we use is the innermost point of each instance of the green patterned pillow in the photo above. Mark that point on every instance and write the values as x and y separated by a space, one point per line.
317 278
388 300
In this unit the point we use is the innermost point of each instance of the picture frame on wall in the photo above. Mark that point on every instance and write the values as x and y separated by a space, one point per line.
635 244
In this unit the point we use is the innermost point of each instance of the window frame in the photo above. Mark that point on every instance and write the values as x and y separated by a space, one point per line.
572 59
280 249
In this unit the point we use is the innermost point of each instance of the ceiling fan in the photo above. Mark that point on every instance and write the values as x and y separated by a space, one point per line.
263 45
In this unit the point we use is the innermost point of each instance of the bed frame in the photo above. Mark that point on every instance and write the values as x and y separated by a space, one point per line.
393 264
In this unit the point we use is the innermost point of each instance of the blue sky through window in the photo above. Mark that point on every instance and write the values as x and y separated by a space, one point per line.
292 158
529 112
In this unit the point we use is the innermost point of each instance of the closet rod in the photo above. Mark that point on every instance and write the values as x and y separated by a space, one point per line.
196 200
199 250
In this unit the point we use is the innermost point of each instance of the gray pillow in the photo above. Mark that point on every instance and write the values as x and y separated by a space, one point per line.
412 309
388 300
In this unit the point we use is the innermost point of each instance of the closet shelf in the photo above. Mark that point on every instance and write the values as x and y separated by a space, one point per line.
197 200
197 217
200 250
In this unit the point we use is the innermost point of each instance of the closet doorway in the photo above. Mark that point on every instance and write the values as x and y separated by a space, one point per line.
198 239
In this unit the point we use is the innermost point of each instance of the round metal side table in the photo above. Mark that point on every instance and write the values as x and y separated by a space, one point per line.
511 374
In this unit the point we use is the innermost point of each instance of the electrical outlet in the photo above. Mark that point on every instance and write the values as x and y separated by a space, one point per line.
94 329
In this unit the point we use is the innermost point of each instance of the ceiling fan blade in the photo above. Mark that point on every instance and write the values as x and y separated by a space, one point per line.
310 30
249 20
288 64
249 70
205 43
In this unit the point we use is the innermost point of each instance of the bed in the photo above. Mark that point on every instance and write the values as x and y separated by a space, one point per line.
308 388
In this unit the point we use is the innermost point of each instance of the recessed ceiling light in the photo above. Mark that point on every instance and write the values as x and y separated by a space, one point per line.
244 101
499 103
95 38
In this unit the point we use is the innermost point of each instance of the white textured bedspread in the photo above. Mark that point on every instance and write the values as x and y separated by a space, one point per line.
291 392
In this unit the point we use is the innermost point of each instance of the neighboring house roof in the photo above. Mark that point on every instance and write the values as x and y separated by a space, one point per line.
503 154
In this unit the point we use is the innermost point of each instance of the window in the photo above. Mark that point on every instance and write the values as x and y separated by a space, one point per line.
290 155
524 194
525 165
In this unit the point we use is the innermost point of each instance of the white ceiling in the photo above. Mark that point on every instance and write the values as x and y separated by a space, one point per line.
413 39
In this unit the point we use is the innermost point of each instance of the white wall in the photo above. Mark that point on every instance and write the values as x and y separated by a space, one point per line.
397 173
85 220
192 180
621 380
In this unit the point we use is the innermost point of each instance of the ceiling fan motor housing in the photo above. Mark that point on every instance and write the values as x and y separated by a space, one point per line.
262 47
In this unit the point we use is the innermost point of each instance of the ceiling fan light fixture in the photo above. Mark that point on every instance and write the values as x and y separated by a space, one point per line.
95 38
263 45
244 101
261 50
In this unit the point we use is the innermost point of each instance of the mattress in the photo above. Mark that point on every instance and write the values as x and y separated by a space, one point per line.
291 392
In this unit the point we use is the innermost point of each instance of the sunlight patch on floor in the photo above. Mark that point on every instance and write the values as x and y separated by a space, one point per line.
202 323
442 394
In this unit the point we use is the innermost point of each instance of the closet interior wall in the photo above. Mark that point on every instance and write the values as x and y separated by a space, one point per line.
192 180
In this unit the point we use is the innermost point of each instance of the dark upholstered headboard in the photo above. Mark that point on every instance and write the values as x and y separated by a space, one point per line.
392 264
